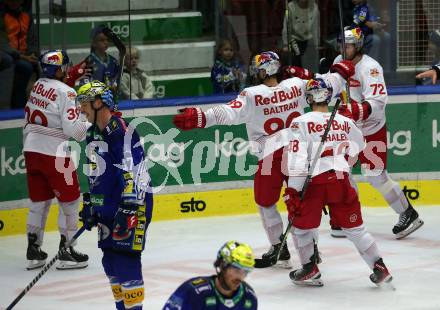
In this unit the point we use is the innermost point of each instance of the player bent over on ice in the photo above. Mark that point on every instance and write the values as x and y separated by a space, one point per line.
223 291
433 74
329 185
120 201
265 109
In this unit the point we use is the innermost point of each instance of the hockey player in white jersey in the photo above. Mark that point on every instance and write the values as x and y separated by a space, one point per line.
51 117
265 109
367 108
329 185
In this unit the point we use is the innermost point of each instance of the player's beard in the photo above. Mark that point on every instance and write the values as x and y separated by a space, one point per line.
222 281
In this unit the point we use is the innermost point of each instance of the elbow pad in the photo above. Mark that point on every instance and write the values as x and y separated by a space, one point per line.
78 130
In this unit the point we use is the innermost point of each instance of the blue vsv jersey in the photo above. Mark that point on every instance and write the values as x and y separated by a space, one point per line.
117 175
201 294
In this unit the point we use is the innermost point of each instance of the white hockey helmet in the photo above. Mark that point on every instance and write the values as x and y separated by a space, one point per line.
267 61
354 36
317 90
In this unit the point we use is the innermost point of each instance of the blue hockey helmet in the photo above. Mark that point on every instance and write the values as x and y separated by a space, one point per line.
53 60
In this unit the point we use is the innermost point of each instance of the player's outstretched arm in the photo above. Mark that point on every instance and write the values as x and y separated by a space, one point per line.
233 113
299 72
190 118
433 73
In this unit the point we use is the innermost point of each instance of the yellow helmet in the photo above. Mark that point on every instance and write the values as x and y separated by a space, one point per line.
89 92
239 255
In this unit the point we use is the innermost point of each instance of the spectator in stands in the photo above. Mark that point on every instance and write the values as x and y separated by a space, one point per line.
105 67
377 40
19 43
135 83
303 16
227 74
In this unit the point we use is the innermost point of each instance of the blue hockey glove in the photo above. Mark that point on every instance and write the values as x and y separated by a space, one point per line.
125 222
89 216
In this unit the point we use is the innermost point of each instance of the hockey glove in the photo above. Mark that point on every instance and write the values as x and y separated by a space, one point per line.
293 71
76 72
190 118
88 214
293 202
344 110
359 111
125 222
345 69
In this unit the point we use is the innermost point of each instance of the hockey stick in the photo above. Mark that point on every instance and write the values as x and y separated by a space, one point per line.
262 263
122 50
45 269
344 53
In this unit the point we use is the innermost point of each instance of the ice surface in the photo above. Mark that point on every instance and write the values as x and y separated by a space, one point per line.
177 250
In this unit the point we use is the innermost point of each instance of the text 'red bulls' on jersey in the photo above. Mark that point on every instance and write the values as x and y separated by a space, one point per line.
266 110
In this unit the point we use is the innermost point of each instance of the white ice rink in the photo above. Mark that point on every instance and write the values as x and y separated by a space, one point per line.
177 250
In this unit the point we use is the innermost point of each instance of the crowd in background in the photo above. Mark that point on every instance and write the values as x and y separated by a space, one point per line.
305 34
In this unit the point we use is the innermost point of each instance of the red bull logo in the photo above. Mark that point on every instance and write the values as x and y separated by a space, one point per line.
313 84
265 57
55 59
357 32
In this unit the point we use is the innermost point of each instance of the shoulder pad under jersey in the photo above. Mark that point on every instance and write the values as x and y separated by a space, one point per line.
115 125
201 284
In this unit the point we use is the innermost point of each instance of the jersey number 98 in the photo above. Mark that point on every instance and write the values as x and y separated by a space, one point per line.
275 124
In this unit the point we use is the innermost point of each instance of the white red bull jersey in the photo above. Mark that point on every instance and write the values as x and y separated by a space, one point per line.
266 110
368 84
51 118
344 139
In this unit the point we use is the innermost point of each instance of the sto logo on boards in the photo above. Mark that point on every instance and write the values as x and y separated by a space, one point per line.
192 206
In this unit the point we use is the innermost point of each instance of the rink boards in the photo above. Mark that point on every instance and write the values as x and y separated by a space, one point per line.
222 202
217 161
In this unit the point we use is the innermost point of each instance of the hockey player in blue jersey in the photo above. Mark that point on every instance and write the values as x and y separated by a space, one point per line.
226 290
120 201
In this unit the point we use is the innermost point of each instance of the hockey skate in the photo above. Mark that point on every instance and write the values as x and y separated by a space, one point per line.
35 256
284 259
409 222
69 258
380 273
308 275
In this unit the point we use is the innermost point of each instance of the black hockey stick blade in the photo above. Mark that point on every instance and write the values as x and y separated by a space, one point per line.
263 263
115 39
